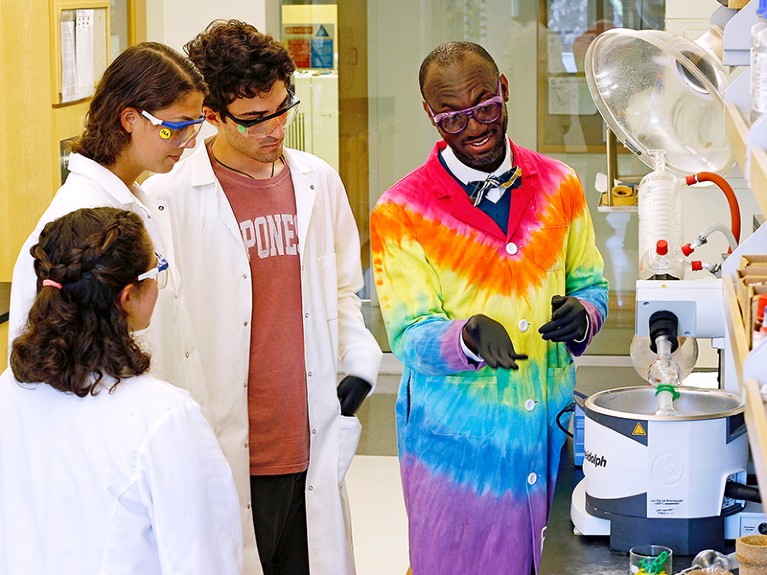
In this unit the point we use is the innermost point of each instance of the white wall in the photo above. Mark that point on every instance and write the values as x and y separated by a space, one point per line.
175 22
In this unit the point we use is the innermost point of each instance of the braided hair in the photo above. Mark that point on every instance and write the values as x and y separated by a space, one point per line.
77 331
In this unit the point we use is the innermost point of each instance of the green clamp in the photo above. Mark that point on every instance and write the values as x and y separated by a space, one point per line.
655 565
670 388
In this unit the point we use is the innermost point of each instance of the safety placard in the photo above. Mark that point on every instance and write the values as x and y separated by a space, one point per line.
310 45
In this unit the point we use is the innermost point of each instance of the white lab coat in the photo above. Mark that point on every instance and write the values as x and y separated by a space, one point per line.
213 262
174 355
121 483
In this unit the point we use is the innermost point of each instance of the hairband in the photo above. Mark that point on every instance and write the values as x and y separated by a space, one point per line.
51 283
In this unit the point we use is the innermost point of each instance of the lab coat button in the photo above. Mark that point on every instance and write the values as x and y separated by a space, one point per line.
306 315
310 487
161 208
244 276
530 404
246 445
511 248
187 355
245 324
310 374
523 325
314 431
532 478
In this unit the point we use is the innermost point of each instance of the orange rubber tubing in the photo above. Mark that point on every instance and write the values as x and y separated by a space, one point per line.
729 194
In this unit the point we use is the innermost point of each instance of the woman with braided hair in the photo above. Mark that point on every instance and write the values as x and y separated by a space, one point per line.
147 109
104 468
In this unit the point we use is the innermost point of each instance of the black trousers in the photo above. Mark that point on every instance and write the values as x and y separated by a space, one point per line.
279 517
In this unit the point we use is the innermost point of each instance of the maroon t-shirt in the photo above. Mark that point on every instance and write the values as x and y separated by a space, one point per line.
277 399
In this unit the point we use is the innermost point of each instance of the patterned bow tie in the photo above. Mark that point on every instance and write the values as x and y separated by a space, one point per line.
507 180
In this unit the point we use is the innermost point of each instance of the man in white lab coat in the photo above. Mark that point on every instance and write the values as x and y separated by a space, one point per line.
269 256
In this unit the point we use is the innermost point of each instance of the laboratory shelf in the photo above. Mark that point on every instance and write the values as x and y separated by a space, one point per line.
734 319
756 422
751 159
751 371
750 366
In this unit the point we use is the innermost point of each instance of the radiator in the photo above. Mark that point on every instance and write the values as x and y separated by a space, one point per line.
295 135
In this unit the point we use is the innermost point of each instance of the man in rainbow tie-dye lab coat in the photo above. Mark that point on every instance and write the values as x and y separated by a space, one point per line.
487 292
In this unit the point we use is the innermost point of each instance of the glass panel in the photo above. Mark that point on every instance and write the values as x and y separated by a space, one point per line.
328 80
309 32
569 121
118 27
569 127
384 132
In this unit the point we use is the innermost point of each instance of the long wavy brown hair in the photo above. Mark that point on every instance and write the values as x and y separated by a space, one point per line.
148 76
78 334
238 61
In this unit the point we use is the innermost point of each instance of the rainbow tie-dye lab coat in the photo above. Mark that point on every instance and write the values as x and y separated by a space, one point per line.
479 447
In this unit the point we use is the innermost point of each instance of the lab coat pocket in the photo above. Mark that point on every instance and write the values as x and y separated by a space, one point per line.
461 405
561 382
349 430
564 375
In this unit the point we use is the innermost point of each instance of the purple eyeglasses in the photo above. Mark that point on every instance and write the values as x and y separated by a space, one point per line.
485 112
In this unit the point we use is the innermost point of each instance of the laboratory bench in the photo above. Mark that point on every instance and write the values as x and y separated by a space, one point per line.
565 553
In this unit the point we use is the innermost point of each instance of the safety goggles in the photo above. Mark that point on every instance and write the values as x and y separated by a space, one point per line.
159 273
176 133
262 127
485 112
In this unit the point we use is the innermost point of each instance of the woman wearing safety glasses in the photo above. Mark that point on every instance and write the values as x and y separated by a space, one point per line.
104 468
146 111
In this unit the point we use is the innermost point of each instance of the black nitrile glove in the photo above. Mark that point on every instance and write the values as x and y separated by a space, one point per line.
490 341
569 320
352 391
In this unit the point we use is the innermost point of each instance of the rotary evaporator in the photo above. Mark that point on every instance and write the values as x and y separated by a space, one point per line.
666 463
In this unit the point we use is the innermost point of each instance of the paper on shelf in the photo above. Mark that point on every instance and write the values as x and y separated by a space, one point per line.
68 59
84 53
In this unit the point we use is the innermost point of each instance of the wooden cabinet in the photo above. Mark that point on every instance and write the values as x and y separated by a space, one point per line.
32 126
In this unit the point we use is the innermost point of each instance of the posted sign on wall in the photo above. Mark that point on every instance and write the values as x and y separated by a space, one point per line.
310 45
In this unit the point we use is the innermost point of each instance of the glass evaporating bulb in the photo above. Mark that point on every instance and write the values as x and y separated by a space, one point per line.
664 373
